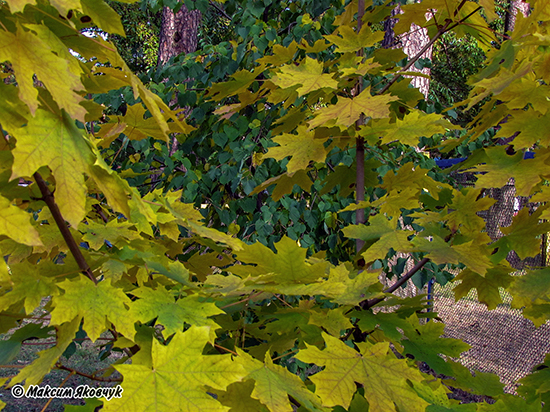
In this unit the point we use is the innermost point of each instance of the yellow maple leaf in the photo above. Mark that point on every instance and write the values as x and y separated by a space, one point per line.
303 148
55 141
29 54
415 125
347 111
96 304
16 224
350 41
384 378
176 378
309 75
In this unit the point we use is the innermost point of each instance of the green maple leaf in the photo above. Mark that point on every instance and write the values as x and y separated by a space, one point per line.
303 148
177 377
173 314
487 286
96 304
274 384
28 285
531 288
425 344
30 54
501 167
387 322
350 41
349 287
522 234
15 223
55 141
332 320
383 377
308 74
465 207
14 112
415 125
285 184
347 111
531 127
238 397
33 373
287 265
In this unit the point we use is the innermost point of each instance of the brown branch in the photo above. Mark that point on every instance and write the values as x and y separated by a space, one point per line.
48 198
58 365
366 304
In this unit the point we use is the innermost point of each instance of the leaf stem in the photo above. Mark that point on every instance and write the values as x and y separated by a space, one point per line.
48 198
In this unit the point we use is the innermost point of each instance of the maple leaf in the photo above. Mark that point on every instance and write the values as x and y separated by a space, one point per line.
350 41
15 223
238 397
415 125
347 287
285 184
487 286
96 233
103 16
56 142
522 235
530 288
96 304
177 376
28 285
465 207
241 81
173 314
287 265
383 377
347 111
501 167
273 385
303 148
308 74
132 124
14 112
530 125
29 54
35 372
425 344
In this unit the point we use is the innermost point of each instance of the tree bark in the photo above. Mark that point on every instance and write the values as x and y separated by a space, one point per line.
512 12
178 33
411 43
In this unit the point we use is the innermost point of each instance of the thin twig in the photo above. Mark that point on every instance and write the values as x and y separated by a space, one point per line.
366 304
58 365
48 198
60 385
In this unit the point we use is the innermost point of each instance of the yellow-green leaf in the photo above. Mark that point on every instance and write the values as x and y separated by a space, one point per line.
33 373
285 183
177 377
487 286
274 384
30 54
350 41
309 75
383 377
56 142
303 148
99 305
172 314
15 223
347 111
103 16
415 125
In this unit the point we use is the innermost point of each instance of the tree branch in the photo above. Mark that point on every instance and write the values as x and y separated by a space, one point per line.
86 375
366 304
48 198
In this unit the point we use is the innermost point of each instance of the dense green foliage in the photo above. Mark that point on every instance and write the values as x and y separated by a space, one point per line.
229 268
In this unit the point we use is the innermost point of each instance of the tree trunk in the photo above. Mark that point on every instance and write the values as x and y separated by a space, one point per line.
511 13
411 43
178 33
